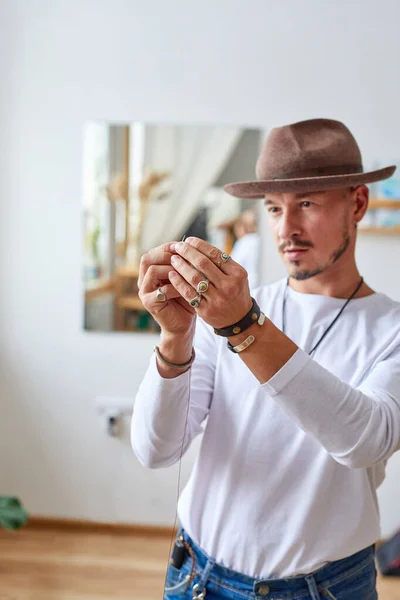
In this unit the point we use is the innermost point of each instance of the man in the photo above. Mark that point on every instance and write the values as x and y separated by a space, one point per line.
302 414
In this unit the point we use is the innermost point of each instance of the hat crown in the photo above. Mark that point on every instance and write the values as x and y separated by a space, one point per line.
308 148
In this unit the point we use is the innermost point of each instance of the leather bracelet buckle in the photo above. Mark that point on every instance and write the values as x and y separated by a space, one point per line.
247 342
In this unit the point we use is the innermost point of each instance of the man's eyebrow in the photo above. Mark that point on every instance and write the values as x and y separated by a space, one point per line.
298 196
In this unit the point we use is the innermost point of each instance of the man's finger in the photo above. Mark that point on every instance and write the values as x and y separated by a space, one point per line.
184 289
204 257
157 256
156 276
169 292
213 253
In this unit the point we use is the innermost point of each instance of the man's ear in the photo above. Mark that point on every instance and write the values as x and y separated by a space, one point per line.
360 194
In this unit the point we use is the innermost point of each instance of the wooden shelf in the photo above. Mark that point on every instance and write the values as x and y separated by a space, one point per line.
373 204
130 303
127 271
98 287
381 230
227 224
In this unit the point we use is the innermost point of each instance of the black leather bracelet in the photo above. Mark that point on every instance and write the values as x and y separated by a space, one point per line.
248 341
251 317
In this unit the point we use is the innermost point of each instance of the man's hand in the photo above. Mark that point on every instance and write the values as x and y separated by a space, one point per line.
227 299
174 315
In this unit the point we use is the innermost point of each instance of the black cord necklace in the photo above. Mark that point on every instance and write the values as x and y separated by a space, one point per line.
334 320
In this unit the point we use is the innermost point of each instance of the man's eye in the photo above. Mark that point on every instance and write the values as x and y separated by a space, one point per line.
306 204
272 209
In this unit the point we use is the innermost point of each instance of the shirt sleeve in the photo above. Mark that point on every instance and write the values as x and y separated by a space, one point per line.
359 427
168 413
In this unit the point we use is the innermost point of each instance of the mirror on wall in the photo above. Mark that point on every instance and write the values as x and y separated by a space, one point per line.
145 185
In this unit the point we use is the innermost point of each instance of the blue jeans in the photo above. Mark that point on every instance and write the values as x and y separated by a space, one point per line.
351 578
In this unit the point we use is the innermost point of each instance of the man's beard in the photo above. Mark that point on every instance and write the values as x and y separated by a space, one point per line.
303 275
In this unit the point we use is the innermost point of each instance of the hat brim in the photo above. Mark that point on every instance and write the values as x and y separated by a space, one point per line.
257 189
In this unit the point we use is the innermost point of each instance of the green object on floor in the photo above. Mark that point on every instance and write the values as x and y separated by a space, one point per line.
12 513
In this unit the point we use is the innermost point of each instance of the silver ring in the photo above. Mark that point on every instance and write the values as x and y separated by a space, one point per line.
195 301
202 287
161 297
225 257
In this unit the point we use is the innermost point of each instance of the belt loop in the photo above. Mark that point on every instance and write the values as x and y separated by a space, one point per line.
312 586
199 590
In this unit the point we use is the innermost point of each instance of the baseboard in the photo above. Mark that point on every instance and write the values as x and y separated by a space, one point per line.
134 529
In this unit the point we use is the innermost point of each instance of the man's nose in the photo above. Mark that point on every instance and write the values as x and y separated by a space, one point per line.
289 226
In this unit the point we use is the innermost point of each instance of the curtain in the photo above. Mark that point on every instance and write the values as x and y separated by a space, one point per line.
194 158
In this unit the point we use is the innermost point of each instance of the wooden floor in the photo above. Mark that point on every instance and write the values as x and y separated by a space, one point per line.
46 564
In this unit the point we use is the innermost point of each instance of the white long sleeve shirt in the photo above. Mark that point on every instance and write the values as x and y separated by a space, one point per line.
287 472
246 252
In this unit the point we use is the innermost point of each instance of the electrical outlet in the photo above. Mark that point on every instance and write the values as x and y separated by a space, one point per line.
123 405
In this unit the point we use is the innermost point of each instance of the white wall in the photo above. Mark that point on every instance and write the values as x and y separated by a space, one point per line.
253 63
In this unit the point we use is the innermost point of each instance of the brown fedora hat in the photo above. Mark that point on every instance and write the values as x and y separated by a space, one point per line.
313 155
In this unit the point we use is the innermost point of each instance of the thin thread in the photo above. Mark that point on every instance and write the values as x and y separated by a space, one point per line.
179 481
179 472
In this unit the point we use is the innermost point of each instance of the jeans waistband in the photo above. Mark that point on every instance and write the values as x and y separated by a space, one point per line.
329 574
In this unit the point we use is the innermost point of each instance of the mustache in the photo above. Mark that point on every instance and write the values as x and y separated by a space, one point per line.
297 244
